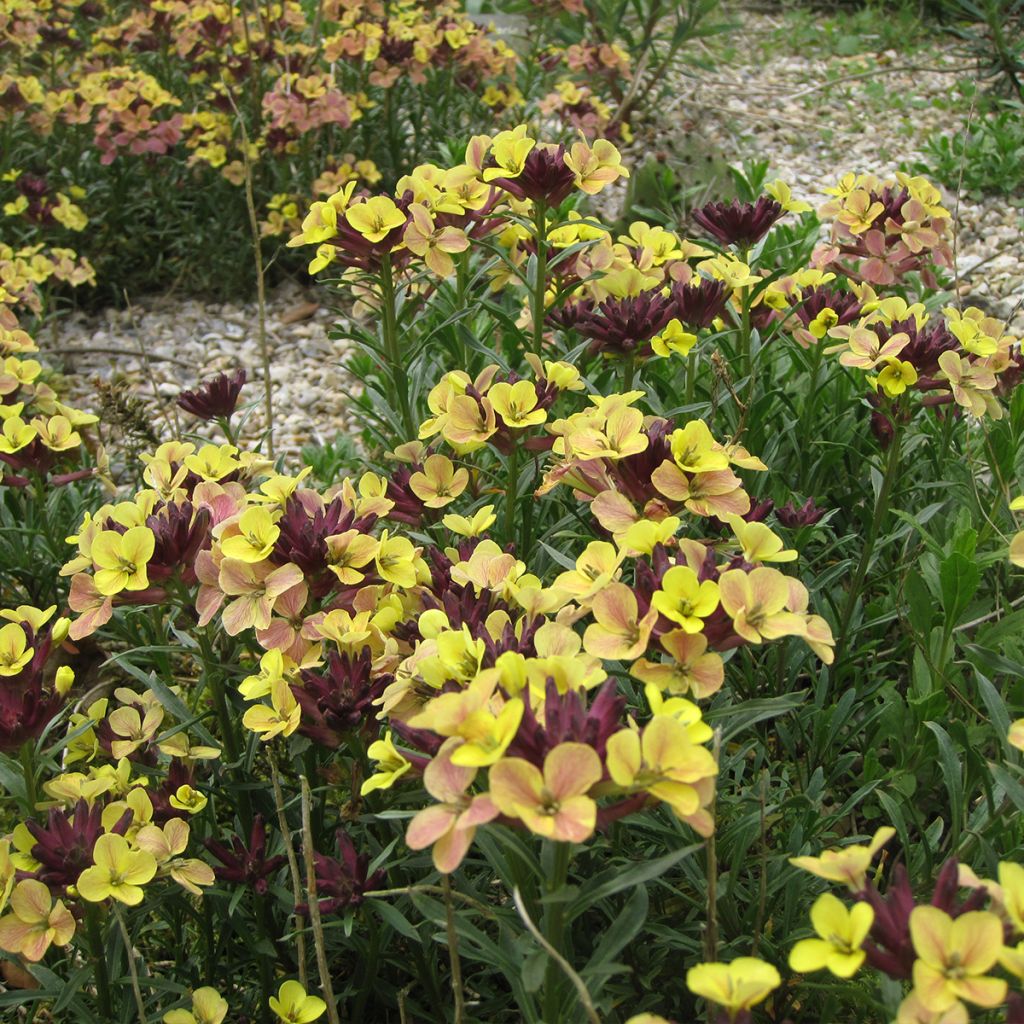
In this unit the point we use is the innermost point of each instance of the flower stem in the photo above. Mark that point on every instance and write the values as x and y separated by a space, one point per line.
628 372
389 326
540 284
512 494
28 769
554 928
95 936
892 465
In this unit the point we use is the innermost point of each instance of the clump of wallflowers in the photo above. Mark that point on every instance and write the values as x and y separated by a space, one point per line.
955 953
40 435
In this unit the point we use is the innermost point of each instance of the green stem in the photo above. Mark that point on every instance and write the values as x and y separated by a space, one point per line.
554 929
540 285
628 372
95 936
28 769
892 465
512 493
389 326
691 377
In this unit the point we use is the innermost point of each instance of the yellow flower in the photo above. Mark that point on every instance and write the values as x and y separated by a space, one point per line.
391 765
848 865
617 631
684 599
841 933
758 542
439 483
954 956
120 559
482 520
15 653
375 217
118 872
509 150
895 378
737 986
783 195
280 719
186 798
516 404
208 1007
35 921
673 339
396 560
256 536
695 450
595 167
293 1006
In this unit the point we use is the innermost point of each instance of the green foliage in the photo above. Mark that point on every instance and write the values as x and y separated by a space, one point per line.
986 157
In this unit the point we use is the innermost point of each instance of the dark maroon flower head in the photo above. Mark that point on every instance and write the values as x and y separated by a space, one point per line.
408 507
246 865
626 325
303 538
179 774
845 305
28 700
737 223
545 177
567 719
180 532
342 883
698 304
338 701
65 843
926 344
215 398
1015 1008
806 515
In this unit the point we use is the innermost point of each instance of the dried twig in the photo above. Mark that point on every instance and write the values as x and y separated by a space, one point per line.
314 907
581 988
293 866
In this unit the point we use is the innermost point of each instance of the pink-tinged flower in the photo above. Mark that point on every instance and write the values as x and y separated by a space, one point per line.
663 761
35 921
449 826
756 603
210 597
553 804
94 609
618 631
255 588
693 669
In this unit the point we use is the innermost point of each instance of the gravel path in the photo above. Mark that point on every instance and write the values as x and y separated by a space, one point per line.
762 102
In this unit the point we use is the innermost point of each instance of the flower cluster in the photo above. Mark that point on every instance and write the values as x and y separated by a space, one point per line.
947 947
39 434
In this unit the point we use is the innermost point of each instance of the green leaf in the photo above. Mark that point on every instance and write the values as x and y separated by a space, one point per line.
615 879
952 775
959 577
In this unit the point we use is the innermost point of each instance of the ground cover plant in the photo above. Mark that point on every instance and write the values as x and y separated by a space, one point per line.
653 653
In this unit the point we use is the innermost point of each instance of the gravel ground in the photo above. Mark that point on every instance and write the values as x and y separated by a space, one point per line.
762 102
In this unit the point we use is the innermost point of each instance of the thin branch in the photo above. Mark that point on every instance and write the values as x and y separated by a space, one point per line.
293 866
314 907
130 955
453 952
581 988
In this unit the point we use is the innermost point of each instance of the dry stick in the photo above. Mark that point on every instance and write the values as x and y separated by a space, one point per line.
293 865
818 86
261 294
140 1005
435 890
314 907
99 350
581 989
453 951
